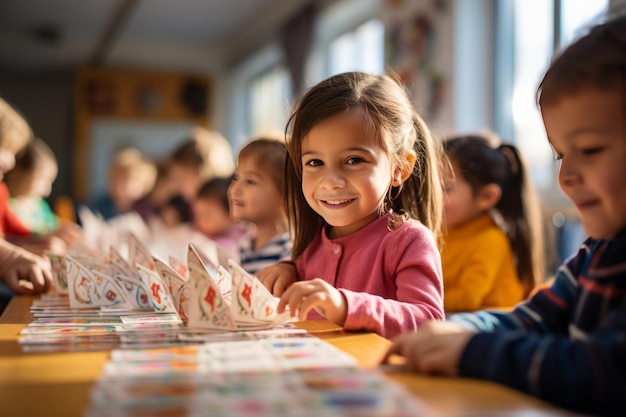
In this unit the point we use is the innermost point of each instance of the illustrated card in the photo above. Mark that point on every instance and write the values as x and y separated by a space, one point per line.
136 292
178 287
158 293
59 273
91 288
138 253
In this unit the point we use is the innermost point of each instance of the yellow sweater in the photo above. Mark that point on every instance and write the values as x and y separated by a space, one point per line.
478 268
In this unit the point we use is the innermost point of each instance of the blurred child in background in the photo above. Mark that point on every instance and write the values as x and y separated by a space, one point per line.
256 196
202 156
150 205
29 183
175 211
493 248
22 271
131 176
211 216
566 344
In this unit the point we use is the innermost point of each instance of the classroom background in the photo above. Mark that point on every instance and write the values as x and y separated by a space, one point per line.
92 78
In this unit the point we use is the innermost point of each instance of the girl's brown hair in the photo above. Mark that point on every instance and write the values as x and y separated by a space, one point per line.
33 157
390 117
15 132
269 154
483 160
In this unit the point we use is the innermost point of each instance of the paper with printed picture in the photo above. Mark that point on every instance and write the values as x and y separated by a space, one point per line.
208 309
229 300
252 302
135 290
90 288
179 267
158 293
59 273
178 287
138 253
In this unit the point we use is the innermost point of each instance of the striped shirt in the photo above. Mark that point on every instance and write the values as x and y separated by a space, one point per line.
277 249
567 344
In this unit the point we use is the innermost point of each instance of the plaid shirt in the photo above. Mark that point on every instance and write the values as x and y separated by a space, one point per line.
277 249
567 344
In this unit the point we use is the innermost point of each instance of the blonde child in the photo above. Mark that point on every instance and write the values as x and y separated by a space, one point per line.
256 196
492 255
211 216
567 344
364 196
131 176
202 156
22 271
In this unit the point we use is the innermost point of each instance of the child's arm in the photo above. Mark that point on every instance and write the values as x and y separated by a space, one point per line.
278 277
23 271
412 268
586 374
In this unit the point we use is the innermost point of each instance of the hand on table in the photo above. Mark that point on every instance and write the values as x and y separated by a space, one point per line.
434 348
304 296
23 271
277 278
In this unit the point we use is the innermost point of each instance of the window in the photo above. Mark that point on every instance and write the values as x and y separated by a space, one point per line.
540 29
359 50
268 103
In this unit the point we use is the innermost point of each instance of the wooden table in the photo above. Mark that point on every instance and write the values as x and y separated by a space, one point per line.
58 384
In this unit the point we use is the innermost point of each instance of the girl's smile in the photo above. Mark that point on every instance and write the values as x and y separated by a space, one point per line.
345 173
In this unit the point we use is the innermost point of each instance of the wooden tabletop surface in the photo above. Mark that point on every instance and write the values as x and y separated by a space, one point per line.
58 384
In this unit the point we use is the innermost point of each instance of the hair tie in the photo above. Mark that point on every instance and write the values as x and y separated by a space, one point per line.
395 220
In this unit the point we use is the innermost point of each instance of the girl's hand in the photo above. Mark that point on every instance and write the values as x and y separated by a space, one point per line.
434 348
316 294
23 271
277 278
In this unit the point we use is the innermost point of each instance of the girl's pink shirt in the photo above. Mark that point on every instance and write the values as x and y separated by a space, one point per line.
391 280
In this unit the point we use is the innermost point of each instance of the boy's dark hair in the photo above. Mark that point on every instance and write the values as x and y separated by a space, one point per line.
598 59
482 160
215 189
181 206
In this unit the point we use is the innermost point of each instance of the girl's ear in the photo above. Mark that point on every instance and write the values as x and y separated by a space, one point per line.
401 173
489 196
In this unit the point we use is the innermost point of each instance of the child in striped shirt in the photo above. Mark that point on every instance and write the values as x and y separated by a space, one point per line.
567 344
255 196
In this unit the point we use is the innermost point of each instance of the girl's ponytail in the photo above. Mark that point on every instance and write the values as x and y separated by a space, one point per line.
519 209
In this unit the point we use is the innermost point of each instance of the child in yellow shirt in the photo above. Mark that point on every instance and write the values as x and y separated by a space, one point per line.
492 252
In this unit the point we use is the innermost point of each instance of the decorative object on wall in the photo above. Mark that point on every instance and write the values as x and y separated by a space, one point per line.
148 104
149 98
195 96
101 96
417 49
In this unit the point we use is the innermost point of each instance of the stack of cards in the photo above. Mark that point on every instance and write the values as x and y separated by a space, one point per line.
117 301
285 376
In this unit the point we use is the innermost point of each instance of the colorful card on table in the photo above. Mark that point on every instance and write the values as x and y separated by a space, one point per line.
91 288
59 273
229 300
158 293
138 253
178 287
